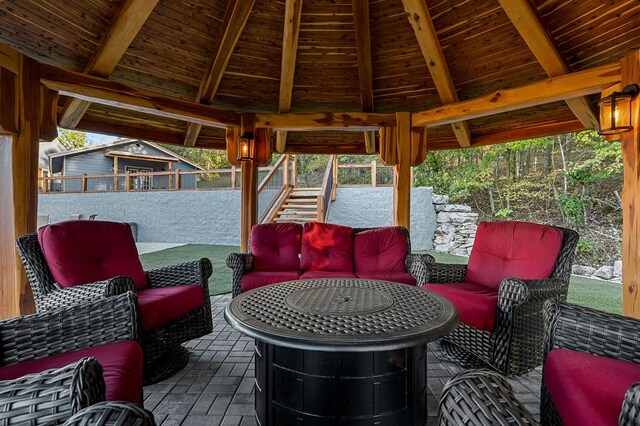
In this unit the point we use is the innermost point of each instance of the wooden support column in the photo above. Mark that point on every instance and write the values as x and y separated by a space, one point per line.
630 143
18 181
249 190
402 172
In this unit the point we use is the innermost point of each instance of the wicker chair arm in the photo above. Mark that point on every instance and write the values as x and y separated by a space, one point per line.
63 330
443 273
416 264
52 396
630 414
515 292
65 297
591 331
240 264
112 413
195 272
481 397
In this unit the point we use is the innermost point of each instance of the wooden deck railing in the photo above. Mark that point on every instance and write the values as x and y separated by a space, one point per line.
344 175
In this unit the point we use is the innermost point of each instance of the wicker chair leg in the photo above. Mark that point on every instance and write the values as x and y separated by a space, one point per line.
461 356
174 360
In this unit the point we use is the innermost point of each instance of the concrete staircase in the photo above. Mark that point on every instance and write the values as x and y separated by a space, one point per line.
300 206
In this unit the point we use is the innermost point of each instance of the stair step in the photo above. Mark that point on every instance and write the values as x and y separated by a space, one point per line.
297 213
306 189
299 206
297 219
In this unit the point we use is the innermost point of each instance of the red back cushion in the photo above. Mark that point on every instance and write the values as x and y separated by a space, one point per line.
85 251
327 247
379 250
512 250
276 246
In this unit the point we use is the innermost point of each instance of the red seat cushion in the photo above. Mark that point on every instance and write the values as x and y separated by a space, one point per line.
326 247
121 361
476 304
276 246
398 277
588 389
310 275
159 306
379 250
253 280
85 251
512 250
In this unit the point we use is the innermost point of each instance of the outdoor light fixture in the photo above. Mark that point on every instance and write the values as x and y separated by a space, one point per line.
245 147
615 111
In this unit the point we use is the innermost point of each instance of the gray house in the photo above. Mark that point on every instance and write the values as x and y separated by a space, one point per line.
100 162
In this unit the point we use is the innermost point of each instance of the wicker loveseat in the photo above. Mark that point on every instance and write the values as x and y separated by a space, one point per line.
513 268
591 376
55 363
288 251
82 261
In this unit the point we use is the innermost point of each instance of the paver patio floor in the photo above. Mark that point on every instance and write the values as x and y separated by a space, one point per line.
216 387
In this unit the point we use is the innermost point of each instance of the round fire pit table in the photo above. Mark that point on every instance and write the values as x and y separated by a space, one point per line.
341 351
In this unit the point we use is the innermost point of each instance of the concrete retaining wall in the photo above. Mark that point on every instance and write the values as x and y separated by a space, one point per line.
198 217
213 217
371 207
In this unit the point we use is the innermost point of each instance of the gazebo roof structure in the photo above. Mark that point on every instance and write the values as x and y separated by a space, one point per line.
326 76
325 56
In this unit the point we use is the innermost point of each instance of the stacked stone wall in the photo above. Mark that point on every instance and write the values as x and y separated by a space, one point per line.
455 227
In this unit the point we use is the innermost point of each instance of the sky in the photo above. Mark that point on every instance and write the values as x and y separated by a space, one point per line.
96 139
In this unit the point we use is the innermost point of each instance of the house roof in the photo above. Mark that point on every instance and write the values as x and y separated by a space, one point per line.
108 148
270 56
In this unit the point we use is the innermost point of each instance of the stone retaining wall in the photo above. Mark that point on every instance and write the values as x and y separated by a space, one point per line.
455 227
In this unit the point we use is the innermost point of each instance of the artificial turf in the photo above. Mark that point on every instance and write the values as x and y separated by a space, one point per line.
602 295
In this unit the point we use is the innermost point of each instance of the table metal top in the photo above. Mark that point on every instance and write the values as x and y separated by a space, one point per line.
348 315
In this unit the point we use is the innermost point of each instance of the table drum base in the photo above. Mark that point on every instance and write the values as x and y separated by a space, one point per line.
301 387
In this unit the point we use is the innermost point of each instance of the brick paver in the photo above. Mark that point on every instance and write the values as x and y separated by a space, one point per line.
216 387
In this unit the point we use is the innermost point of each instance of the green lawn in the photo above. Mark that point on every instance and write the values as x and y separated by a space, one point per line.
596 294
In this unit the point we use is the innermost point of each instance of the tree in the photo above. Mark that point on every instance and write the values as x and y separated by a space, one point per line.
72 139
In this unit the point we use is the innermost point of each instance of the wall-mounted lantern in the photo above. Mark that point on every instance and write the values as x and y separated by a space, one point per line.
615 111
245 147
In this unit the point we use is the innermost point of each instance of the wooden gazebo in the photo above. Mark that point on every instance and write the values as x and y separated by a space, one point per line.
394 77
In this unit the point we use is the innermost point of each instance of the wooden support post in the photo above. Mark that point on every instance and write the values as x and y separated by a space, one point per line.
295 170
115 173
83 187
320 208
127 182
630 143
178 180
402 172
285 171
233 177
249 190
374 173
18 183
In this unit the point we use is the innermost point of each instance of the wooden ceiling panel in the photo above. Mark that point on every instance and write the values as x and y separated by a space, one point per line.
589 33
326 74
54 31
401 79
251 79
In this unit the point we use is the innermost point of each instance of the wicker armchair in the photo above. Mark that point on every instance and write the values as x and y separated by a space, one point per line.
162 345
112 414
415 263
485 397
515 345
54 395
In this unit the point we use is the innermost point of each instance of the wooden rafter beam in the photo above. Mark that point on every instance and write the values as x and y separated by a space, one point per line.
290 35
350 121
235 18
525 19
422 24
124 29
568 86
107 92
363 47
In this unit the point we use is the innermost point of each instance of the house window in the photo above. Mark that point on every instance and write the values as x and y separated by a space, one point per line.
140 183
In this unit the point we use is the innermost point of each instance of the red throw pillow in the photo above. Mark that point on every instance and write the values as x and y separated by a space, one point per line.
85 251
379 250
276 246
512 250
327 247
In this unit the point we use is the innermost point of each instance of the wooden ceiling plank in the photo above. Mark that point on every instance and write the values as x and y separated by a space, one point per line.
525 18
235 18
422 24
573 85
290 36
111 93
348 121
126 26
